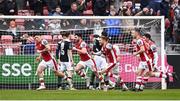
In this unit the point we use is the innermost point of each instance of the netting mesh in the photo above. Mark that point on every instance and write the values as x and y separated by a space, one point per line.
18 53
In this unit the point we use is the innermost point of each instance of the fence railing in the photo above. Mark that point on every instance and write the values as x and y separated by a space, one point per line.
173 49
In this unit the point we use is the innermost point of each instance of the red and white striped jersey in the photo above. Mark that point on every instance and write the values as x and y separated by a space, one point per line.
83 57
144 56
41 46
110 52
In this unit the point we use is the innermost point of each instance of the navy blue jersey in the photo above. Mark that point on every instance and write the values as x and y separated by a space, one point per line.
62 48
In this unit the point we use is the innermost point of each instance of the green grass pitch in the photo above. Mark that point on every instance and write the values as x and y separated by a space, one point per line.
170 94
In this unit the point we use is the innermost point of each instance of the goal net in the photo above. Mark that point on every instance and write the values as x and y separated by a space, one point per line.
18 53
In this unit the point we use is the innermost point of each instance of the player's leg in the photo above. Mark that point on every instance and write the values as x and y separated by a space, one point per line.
69 71
55 68
139 75
40 69
79 69
92 81
144 80
60 79
119 80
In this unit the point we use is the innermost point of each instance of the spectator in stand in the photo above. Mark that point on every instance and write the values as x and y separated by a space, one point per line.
66 5
170 22
20 4
83 24
111 24
88 8
144 3
27 46
46 12
156 8
10 7
97 24
81 5
54 26
26 39
30 24
57 12
73 11
99 7
127 8
176 27
40 23
52 4
3 24
2 4
35 5
13 30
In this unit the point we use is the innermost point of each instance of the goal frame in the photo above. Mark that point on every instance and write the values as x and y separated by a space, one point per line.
163 83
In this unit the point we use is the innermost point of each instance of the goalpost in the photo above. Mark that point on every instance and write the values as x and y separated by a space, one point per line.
17 59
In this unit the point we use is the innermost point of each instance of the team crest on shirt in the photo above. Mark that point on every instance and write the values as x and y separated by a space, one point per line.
109 46
83 45
139 42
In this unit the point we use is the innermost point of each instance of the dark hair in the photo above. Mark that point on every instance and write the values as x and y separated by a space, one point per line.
65 33
95 36
137 30
104 33
73 3
147 35
78 34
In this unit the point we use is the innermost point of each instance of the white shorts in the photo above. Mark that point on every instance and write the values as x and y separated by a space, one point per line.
146 65
65 66
100 62
89 63
52 64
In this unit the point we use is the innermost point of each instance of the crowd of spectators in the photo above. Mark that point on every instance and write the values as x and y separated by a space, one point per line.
168 8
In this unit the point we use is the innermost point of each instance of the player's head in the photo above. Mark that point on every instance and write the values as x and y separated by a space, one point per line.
65 34
147 36
37 38
78 37
96 37
135 33
104 38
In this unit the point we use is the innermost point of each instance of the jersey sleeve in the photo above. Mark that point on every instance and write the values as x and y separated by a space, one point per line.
116 49
109 46
58 50
83 45
139 42
44 42
153 48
